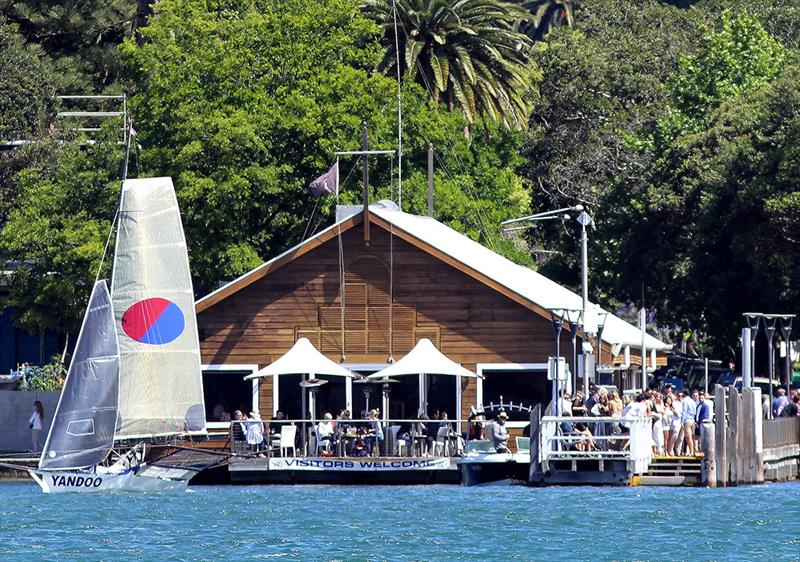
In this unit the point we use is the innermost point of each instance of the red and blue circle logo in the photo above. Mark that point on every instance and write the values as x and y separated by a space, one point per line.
155 321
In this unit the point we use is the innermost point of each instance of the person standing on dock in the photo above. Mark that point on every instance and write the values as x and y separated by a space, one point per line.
500 433
35 424
688 414
779 402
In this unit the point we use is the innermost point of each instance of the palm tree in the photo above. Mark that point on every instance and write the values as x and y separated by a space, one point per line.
467 54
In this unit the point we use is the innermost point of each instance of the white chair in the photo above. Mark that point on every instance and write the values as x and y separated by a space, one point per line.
399 446
442 442
288 434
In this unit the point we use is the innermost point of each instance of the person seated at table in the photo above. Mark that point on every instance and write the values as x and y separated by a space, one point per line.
325 431
359 447
374 431
445 421
419 433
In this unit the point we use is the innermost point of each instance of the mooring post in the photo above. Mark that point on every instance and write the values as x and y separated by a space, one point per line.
708 433
721 430
733 465
758 436
748 440
535 471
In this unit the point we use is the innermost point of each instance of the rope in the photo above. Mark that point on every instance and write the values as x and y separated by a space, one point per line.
311 217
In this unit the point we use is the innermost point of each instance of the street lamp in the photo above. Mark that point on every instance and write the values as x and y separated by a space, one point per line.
589 320
587 316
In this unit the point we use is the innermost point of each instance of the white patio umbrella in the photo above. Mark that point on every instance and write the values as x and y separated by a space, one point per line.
424 360
303 359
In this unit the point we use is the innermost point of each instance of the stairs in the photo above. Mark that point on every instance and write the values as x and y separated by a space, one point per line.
672 471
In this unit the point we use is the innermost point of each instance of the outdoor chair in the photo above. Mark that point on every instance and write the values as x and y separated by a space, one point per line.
288 434
399 446
442 443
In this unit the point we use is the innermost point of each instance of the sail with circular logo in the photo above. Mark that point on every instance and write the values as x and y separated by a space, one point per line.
160 381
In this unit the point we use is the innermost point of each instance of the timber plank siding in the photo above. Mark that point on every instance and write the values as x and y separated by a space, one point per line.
468 320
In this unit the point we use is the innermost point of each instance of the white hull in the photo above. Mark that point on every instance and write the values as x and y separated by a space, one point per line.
145 479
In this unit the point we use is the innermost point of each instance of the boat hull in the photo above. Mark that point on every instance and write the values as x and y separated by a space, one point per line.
53 482
496 469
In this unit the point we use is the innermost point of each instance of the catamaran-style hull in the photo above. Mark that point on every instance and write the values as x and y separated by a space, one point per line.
83 482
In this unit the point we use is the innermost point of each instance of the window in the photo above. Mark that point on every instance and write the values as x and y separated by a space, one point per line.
225 389
518 383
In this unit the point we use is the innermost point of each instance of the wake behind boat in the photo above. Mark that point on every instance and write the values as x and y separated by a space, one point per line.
135 373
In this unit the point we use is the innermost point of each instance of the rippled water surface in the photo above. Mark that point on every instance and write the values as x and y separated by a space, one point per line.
404 523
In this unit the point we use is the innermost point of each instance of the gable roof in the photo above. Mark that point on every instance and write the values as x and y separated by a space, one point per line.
523 285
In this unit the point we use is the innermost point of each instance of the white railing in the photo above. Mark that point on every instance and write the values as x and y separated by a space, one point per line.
609 438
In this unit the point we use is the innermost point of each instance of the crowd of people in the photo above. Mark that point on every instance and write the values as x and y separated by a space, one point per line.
676 418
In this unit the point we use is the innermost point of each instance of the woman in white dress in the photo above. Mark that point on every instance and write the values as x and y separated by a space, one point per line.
657 414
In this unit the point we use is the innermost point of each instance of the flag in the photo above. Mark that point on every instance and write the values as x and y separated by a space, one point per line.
326 183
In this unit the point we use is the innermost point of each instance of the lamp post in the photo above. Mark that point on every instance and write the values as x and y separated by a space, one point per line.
589 324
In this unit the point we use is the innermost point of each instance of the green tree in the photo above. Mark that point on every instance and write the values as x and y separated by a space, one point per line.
467 53
709 231
27 107
244 104
601 83
57 230
737 57
80 37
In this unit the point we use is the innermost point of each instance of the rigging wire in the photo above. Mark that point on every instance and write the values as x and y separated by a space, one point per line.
124 176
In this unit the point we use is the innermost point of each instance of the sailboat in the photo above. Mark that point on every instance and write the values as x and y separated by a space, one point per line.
135 375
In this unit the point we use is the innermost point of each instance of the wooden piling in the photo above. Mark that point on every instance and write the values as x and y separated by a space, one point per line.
721 434
733 464
535 470
748 439
708 433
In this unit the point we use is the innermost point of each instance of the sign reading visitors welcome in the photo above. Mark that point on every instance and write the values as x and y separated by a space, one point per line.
357 465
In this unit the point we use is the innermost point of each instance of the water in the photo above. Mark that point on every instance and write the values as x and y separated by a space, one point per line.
404 523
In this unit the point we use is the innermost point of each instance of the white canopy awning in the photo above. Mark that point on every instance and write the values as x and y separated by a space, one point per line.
303 358
423 359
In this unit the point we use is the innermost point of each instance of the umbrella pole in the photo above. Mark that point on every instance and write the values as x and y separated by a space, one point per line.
303 407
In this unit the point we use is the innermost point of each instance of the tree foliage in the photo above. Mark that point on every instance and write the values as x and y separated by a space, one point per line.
56 232
80 37
466 53
244 104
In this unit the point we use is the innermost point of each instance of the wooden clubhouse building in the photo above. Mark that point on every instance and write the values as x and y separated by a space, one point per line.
364 291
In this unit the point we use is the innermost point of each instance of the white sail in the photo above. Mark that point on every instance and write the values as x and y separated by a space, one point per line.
161 390
83 425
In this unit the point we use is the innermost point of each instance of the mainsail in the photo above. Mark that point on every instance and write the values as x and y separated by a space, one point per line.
83 425
161 390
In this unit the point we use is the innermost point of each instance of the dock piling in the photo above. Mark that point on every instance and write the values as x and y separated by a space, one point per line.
721 434
708 433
